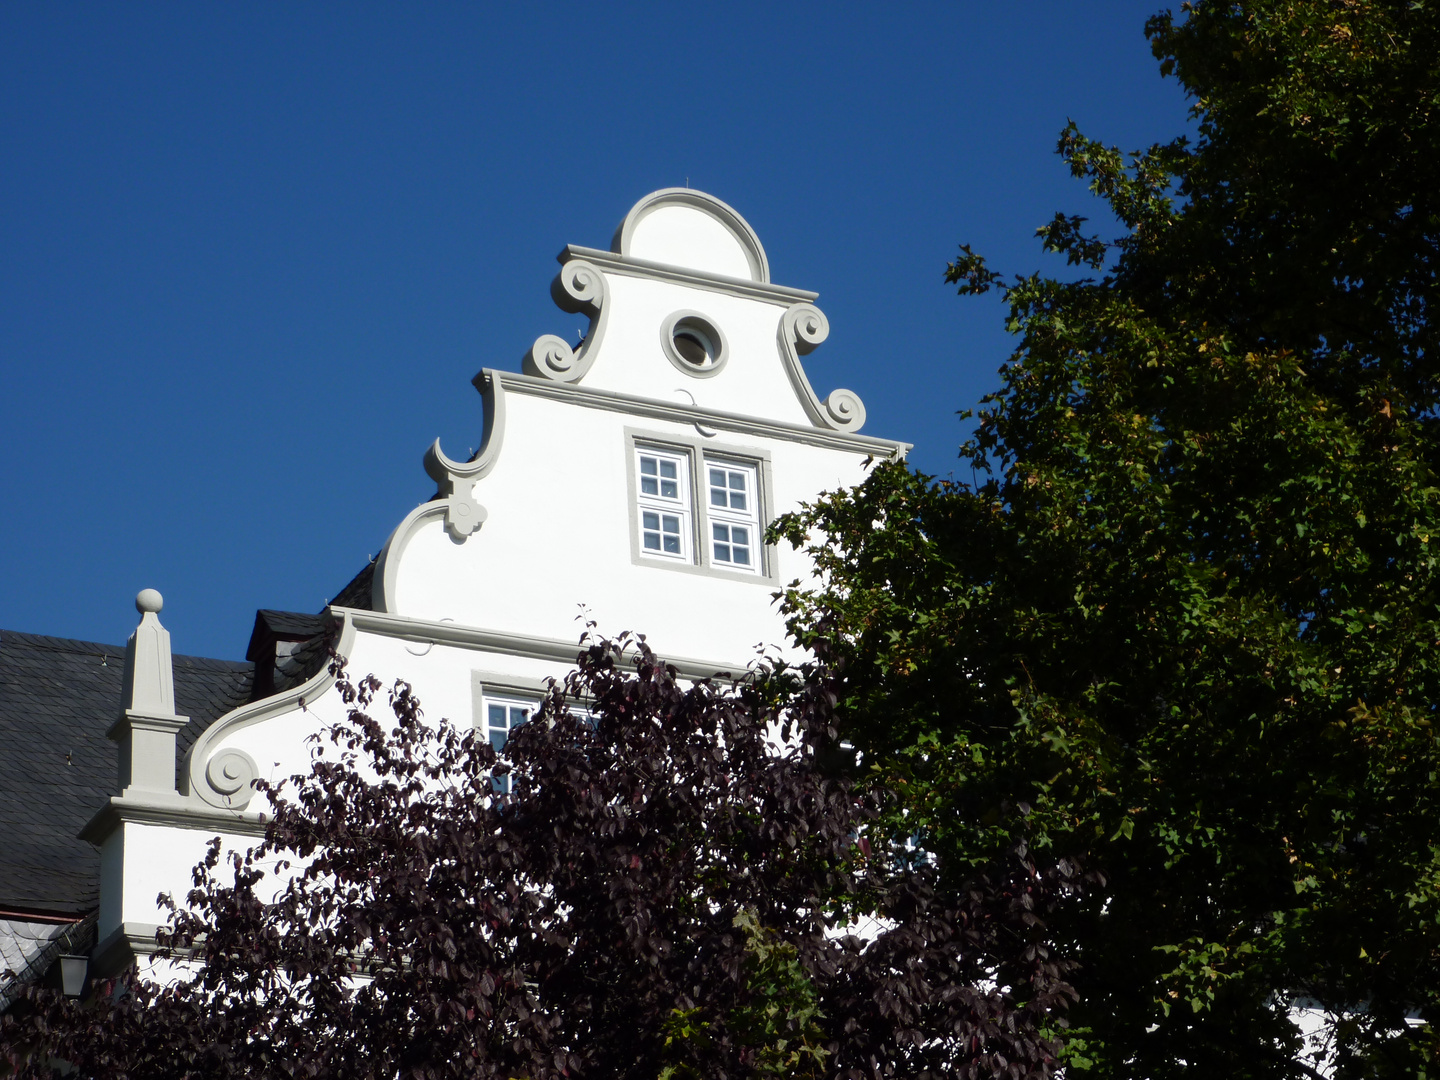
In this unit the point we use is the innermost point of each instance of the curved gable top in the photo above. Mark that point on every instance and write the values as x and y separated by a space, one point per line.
687 228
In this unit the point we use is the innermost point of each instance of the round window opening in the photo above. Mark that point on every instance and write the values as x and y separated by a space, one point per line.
696 343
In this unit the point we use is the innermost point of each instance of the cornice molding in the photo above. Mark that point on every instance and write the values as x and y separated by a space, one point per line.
124 945
176 812
626 266
612 401
481 639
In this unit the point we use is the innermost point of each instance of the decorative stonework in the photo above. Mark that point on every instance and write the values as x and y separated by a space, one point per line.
579 288
455 480
230 776
803 328
744 236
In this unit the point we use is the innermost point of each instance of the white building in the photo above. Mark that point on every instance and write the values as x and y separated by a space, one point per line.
666 439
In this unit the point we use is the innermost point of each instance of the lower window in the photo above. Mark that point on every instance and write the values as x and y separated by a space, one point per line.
501 718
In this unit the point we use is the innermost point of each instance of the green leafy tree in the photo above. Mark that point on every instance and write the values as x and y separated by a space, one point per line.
1187 611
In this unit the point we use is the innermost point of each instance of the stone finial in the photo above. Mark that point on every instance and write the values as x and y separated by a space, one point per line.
148 723
149 675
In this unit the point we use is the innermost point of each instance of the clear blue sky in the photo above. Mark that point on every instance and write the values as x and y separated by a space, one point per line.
251 254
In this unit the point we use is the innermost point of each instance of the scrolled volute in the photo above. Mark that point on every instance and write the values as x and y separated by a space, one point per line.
579 287
551 358
803 328
806 326
230 775
845 409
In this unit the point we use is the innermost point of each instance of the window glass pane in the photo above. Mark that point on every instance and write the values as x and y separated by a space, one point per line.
667 469
737 491
647 466
518 716
649 485
721 534
496 715
497 738
669 489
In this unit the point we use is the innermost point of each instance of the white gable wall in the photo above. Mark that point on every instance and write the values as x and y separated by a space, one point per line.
484 589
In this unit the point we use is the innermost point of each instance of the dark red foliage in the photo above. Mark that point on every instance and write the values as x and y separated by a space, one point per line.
427 926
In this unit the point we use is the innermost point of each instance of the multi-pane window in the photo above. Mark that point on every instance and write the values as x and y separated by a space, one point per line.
663 494
501 718
734 513
698 508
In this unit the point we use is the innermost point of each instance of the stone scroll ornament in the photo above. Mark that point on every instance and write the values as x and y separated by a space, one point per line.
579 288
803 328
230 776
455 480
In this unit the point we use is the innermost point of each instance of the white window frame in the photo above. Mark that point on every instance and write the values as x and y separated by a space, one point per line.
510 706
509 692
699 557
725 517
654 504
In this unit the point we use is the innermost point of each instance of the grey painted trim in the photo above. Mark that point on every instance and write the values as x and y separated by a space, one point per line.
722 212
454 497
124 945
667 344
387 563
737 423
215 786
177 812
495 684
802 329
477 638
626 266
138 721
197 762
696 452
455 480
579 288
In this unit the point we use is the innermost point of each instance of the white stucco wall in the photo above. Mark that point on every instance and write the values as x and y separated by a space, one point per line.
558 541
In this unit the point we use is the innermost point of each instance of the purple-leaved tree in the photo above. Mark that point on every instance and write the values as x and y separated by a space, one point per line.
661 890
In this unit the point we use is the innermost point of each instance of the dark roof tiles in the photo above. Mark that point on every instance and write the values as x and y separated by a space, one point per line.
58 697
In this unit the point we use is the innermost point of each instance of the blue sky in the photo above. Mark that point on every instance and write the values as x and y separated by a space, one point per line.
251 254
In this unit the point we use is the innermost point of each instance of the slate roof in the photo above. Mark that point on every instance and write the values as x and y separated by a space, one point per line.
58 697
356 594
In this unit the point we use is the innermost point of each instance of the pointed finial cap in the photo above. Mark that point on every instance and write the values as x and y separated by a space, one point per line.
148 601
